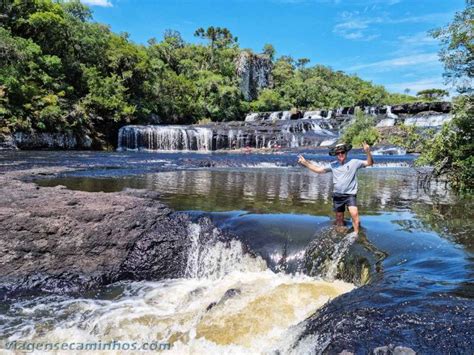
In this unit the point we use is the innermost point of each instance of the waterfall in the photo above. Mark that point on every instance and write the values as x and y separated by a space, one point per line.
337 254
216 259
312 114
389 112
251 117
254 134
165 138
428 121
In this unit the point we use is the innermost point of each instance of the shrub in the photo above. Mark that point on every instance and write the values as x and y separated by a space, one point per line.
361 129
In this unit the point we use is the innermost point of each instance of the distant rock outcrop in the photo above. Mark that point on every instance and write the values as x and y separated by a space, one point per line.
255 74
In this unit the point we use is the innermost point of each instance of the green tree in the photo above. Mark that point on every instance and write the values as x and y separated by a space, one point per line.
269 50
457 52
301 62
451 151
269 100
218 37
432 94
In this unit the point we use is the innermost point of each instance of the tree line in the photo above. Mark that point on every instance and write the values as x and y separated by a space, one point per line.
61 71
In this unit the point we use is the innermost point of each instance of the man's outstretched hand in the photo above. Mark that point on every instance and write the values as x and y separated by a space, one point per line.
302 160
366 147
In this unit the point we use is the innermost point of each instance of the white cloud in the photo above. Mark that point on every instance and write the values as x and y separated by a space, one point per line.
414 44
419 39
418 85
354 28
360 26
103 3
424 59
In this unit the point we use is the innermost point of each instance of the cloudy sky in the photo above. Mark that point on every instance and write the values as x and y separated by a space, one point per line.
384 41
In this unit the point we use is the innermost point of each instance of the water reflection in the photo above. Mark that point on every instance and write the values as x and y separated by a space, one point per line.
284 190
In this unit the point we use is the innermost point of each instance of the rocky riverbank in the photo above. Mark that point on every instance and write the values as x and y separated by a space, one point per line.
55 239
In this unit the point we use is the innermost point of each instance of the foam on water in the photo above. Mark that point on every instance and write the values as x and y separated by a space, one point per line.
253 319
229 302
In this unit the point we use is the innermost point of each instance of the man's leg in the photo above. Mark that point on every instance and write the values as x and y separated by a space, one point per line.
355 218
339 218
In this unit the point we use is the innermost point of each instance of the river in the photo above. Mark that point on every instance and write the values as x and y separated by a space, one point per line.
420 295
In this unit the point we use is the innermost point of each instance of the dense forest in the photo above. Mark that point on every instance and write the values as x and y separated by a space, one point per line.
60 71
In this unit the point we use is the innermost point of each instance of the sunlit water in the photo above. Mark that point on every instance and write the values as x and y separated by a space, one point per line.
232 303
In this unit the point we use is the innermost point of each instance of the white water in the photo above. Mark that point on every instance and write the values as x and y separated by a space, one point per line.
288 133
428 121
387 122
197 314
389 151
339 251
389 112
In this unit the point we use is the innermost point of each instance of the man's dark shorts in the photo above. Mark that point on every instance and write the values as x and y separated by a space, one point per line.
340 201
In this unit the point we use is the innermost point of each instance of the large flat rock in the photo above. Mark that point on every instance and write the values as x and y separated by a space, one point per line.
55 239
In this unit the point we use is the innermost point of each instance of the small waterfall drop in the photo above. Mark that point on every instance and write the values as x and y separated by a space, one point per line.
428 121
389 113
338 253
229 302
215 259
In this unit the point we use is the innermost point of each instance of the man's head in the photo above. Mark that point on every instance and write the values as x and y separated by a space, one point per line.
340 151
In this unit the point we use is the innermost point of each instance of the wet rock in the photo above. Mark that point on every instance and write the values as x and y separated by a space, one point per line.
232 292
211 306
393 350
58 240
7 142
364 319
334 254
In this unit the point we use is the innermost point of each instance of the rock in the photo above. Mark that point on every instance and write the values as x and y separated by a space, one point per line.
58 240
398 109
254 72
393 350
418 107
363 319
333 254
7 142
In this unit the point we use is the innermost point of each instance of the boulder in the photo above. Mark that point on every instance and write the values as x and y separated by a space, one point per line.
337 254
58 240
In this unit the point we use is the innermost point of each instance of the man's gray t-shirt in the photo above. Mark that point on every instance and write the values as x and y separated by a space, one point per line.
344 176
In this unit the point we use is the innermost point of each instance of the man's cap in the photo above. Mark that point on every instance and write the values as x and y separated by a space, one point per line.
341 147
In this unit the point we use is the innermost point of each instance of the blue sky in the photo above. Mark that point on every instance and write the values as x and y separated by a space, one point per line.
384 41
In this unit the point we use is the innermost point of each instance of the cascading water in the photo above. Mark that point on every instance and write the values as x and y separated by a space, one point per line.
428 121
229 302
281 132
338 253
280 129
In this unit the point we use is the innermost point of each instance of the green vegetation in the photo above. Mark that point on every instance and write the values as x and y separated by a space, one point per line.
432 94
61 71
451 151
362 129
410 138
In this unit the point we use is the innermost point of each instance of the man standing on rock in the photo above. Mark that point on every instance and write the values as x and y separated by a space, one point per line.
344 180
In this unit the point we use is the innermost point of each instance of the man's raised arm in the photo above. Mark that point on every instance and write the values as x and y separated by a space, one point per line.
370 160
312 167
